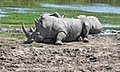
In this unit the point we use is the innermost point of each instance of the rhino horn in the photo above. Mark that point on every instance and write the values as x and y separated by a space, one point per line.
27 34
31 29
36 22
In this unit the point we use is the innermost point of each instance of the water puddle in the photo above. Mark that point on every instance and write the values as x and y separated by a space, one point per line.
1 11
3 15
16 10
111 26
101 8
11 29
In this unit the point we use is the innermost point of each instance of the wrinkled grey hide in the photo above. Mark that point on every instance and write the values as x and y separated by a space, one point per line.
93 22
53 29
55 14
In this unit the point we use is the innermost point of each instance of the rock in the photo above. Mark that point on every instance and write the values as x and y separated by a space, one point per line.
13 47
0 45
118 32
113 31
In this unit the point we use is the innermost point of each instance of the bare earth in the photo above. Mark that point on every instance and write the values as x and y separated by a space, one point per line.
101 54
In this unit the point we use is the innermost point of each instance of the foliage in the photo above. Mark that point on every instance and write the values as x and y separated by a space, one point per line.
12 35
28 18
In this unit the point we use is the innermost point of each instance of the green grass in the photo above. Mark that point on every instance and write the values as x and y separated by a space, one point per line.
16 19
8 44
12 35
17 35
115 28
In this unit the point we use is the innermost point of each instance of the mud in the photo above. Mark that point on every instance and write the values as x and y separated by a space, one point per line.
101 54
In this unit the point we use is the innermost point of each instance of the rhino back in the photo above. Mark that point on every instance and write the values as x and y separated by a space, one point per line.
52 26
92 22
96 25
72 28
95 22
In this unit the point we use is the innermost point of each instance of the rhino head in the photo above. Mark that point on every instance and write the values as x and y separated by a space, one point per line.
34 36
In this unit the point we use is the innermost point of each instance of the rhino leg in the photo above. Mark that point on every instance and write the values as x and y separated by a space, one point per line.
59 38
84 34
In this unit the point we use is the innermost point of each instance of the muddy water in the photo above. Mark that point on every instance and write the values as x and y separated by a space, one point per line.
110 25
19 6
101 8
3 15
35 3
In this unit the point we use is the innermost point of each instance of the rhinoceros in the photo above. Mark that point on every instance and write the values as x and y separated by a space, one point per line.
57 30
93 22
55 14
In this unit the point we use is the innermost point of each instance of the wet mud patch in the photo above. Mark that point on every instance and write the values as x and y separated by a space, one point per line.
100 54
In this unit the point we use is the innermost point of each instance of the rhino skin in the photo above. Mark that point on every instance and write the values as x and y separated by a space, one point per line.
55 14
93 22
57 30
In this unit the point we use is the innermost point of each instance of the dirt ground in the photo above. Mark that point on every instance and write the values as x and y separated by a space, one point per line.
101 54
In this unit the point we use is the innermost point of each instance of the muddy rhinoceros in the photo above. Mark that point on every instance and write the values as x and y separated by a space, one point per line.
93 22
57 30
55 14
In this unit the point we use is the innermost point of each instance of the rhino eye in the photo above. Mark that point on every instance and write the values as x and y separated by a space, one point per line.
32 39
42 17
38 33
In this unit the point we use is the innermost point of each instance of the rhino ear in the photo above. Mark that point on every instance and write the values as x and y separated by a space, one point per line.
36 24
42 17
62 16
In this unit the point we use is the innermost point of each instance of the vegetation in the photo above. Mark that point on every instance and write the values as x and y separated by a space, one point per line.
16 19
12 35
35 3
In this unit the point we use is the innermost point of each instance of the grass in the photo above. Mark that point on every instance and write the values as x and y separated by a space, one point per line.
17 35
28 18
114 28
12 35
16 19
8 44
15 44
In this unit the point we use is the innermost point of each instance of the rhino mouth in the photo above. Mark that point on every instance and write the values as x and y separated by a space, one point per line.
28 42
